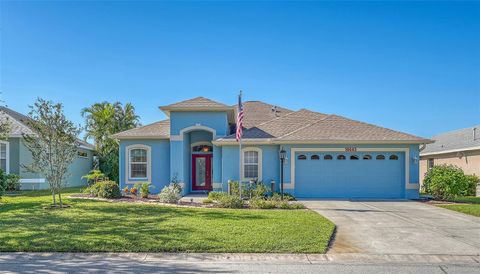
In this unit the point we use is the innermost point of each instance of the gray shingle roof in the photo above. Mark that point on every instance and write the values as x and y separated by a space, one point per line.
257 112
338 128
282 125
19 124
160 129
457 140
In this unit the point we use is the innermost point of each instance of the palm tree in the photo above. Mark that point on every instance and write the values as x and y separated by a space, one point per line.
102 120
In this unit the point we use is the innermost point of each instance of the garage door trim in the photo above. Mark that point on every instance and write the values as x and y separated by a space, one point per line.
293 151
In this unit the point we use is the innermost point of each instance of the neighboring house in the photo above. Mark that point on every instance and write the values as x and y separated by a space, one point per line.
327 155
460 147
14 155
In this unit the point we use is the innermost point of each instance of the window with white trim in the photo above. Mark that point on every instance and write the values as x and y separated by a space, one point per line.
252 164
3 156
138 163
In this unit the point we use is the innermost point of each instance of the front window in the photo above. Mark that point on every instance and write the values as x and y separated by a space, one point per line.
138 163
431 163
250 164
3 157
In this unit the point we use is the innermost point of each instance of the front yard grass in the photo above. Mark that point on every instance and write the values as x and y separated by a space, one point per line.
468 205
97 226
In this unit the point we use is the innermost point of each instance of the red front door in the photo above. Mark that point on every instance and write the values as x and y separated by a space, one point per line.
201 172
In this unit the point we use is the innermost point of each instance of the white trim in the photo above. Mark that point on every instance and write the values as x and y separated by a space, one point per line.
450 151
259 141
7 156
201 143
216 185
408 185
33 181
260 160
128 179
179 137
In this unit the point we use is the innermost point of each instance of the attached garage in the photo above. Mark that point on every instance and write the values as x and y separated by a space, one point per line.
339 174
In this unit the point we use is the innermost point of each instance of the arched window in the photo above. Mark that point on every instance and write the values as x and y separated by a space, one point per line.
302 157
138 163
327 157
252 164
315 157
353 157
202 148
393 157
367 157
341 157
380 157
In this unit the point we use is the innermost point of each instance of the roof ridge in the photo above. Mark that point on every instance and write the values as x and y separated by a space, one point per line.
456 130
311 124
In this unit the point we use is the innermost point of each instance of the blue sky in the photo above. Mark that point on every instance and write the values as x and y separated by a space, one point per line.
410 66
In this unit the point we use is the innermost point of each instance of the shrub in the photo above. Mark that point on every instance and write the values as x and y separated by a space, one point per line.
104 189
255 190
230 201
286 196
215 196
171 193
472 181
145 189
207 201
12 182
94 176
447 182
262 203
3 183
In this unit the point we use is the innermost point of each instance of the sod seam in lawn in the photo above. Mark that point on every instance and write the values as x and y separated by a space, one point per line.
96 226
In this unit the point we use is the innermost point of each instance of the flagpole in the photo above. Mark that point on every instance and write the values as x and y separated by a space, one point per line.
240 157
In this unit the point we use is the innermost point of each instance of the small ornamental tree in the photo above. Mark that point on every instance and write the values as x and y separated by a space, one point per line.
53 145
5 125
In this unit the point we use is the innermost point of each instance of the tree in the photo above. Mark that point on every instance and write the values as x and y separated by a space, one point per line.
102 120
53 144
5 125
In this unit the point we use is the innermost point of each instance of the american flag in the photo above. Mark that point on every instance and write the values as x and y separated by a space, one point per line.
239 118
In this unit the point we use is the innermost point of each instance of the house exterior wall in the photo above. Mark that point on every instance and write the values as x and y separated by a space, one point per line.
215 120
270 164
19 155
469 162
159 163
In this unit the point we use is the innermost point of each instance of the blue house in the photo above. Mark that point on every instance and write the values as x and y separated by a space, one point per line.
328 156
14 155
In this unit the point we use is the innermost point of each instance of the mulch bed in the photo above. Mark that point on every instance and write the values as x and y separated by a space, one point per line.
152 199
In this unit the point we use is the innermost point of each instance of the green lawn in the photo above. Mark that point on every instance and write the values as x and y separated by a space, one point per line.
118 227
467 205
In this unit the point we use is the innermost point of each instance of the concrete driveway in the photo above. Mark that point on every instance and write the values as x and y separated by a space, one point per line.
399 227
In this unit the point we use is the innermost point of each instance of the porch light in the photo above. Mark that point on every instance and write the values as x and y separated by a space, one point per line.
283 154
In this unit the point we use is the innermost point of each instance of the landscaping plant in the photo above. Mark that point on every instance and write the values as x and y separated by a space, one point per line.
53 145
448 181
5 124
145 189
171 193
104 189
3 183
12 182
94 176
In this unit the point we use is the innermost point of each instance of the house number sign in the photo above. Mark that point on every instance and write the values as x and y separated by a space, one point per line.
350 149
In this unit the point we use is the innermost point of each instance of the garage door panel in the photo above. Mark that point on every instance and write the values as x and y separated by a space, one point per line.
349 178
